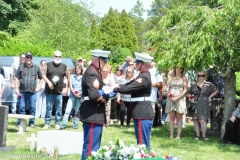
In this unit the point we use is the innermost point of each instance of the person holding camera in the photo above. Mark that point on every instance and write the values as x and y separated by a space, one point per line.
201 94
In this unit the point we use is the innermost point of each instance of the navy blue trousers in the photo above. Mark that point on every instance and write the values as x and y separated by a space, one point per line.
143 131
92 134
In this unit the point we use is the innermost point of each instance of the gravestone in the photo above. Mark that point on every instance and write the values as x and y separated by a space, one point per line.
68 142
33 141
3 129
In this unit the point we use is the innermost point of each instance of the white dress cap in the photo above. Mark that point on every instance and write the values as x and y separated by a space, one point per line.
143 57
100 53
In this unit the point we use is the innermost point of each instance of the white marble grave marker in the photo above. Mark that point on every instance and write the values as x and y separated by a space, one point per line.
33 141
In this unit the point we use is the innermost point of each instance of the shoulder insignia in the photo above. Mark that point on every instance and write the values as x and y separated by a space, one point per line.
96 84
139 80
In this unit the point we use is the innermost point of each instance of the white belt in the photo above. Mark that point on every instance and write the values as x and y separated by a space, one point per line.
86 98
140 99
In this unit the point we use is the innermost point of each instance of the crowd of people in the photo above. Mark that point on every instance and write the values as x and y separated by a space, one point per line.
143 95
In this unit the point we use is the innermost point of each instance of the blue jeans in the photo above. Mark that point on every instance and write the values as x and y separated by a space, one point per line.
55 99
30 99
14 102
72 102
40 104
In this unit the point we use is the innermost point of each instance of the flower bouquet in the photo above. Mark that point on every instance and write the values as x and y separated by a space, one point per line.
120 150
55 79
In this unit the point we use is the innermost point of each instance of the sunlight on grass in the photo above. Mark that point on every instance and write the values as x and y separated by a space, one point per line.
186 147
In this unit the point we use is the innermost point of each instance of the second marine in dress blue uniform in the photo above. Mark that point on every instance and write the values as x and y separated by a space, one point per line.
140 90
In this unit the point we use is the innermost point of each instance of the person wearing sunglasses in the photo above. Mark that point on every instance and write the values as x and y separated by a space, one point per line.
54 89
116 103
201 94
176 89
126 98
140 90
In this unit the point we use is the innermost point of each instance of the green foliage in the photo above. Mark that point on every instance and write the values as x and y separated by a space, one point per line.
127 27
16 45
140 25
118 56
14 15
61 24
95 36
4 36
112 35
196 37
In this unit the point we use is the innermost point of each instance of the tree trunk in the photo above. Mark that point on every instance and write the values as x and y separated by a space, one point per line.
229 98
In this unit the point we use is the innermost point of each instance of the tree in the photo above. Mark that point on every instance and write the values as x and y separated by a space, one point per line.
118 56
130 39
136 14
61 24
160 7
95 36
110 27
198 36
14 15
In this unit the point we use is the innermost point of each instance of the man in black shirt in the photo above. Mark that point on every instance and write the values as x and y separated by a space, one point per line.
26 79
54 89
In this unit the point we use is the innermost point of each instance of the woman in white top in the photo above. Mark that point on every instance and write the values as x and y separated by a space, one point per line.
126 98
109 81
115 103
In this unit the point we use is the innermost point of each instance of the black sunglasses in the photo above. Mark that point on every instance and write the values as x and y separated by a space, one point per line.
201 75
119 69
57 56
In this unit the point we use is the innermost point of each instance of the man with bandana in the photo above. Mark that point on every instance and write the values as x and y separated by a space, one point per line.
92 110
54 89
140 90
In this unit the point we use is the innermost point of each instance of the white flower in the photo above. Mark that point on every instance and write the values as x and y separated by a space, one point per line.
120 150
55 79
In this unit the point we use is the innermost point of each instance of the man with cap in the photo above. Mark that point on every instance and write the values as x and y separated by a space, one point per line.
92 110
26 79
140 90
82 62
54 89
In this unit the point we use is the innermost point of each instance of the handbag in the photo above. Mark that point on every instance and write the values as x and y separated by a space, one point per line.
192 105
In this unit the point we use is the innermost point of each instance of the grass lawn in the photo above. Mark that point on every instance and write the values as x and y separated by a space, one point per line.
186 147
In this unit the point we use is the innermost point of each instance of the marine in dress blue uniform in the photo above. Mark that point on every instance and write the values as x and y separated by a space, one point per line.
140 90
92 110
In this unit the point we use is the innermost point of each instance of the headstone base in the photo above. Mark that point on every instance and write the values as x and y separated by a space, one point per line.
7 148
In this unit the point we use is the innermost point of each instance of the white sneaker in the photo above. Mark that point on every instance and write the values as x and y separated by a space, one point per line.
45 127
57 126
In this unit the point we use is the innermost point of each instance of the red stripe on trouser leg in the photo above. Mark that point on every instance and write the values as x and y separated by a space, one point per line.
140 131
90 140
